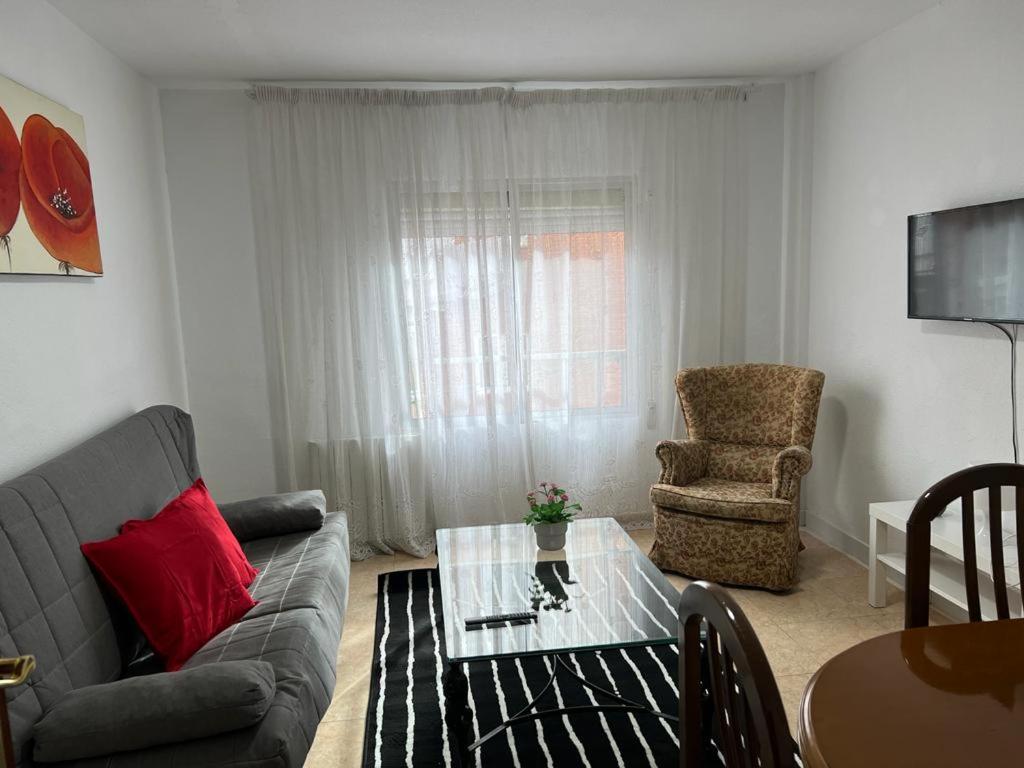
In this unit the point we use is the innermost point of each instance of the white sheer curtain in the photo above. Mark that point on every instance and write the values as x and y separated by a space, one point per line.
467 292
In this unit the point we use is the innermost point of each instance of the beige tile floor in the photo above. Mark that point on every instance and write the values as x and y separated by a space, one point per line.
825 614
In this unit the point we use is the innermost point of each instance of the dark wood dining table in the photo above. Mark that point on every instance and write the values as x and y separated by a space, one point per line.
940 696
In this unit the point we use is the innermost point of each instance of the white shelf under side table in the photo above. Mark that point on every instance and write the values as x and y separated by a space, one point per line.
947 566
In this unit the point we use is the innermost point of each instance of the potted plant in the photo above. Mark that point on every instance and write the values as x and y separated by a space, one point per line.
550 515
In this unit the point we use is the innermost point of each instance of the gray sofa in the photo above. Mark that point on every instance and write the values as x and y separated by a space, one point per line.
52 606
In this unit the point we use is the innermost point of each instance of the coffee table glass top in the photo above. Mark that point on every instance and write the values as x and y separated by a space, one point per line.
600 591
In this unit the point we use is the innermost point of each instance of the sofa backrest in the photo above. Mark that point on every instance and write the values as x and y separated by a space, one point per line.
50 603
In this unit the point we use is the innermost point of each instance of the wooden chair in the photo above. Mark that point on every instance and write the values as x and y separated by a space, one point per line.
729 705
962 485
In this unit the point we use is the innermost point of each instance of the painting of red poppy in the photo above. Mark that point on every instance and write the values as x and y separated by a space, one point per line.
47 211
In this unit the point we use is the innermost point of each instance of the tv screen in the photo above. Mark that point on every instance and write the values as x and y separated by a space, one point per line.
967 263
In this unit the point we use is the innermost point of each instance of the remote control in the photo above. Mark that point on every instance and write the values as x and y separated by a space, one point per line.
501 618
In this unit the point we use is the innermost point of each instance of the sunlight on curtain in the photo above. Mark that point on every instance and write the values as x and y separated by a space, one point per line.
466 292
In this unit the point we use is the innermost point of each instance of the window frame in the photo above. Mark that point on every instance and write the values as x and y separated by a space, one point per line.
629 354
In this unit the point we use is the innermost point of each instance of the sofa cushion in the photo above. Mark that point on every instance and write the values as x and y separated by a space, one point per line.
276 515
195 501
300 644
301 570
280 740
714 497
157 709
177 579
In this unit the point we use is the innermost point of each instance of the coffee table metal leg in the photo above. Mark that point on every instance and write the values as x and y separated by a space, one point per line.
457 714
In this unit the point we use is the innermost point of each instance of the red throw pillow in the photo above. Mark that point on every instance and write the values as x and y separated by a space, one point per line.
177 579
197 501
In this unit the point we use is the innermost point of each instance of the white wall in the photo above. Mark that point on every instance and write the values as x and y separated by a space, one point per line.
929 115
76 355
208 179
204 136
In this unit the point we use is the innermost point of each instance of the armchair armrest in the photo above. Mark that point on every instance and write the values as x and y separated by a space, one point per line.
790 465
164 708
682 461
275 515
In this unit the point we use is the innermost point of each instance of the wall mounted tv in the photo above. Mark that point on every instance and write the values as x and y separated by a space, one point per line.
967 263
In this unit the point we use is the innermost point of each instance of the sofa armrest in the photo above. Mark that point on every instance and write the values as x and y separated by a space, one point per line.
275 515
790 465
682 461
164 708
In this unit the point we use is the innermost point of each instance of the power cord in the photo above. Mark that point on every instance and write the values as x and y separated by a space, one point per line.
1012 338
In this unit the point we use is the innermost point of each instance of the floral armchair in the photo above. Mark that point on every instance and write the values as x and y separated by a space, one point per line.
726 507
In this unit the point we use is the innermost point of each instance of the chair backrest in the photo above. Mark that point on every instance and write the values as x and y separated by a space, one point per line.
962 485
751 403
748 413
734 698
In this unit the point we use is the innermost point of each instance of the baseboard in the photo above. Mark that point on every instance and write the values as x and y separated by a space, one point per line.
836 537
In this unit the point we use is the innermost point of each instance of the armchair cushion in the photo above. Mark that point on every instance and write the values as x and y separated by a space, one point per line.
714 497
745 463
682 461
790 465
276 515
164 708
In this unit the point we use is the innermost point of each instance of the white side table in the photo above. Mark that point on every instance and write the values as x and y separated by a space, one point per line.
947 559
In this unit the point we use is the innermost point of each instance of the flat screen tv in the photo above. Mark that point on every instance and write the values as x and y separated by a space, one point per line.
967 263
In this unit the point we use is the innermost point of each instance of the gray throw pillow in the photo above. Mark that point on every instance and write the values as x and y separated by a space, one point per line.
275 515
164 708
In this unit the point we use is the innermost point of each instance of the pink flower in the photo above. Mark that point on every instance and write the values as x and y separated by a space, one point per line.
565 497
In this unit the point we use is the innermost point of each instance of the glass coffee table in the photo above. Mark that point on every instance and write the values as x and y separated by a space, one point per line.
599 592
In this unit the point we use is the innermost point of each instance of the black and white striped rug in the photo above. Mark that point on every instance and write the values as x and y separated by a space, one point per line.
405 724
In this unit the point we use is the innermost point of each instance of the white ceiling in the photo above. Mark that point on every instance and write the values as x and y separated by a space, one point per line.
483 40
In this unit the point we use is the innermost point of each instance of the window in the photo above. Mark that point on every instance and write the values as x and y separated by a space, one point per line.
542 324
572 254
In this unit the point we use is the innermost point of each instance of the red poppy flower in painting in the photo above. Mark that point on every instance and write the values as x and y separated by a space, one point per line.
56 194
10 165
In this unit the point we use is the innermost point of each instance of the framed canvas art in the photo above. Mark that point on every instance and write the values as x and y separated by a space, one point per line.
47 216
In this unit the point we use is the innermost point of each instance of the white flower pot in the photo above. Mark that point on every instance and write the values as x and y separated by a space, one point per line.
551 536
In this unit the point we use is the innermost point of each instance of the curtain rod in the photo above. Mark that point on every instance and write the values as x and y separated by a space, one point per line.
421 85
264 93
